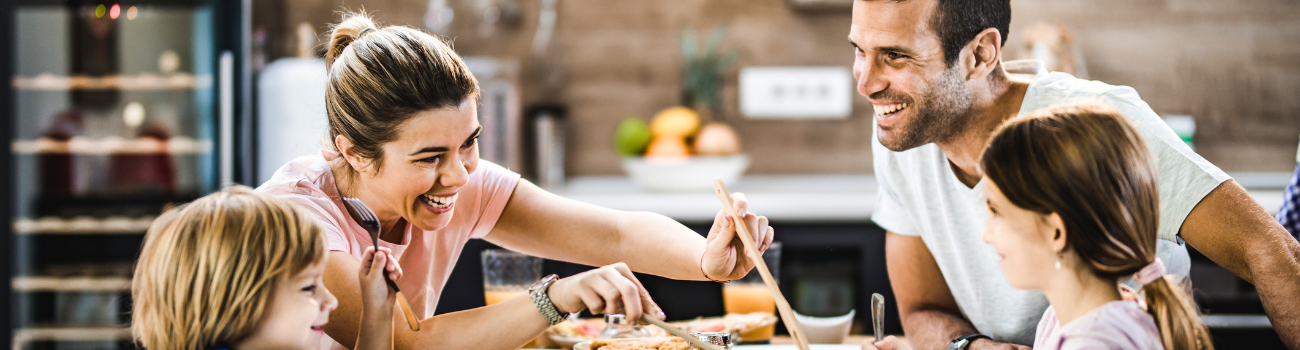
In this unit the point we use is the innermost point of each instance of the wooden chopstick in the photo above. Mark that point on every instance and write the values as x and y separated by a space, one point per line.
679 333
746 239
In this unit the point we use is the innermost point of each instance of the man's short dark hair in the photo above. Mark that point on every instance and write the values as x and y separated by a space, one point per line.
957 22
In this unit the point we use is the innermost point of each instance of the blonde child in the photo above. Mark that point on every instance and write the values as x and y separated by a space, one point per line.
242 270
1073 212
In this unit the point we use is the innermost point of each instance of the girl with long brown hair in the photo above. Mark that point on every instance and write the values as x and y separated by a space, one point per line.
1073 212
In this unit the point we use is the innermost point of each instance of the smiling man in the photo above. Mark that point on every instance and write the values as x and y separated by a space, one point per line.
933 70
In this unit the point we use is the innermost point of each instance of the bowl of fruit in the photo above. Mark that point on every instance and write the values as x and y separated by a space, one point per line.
675 152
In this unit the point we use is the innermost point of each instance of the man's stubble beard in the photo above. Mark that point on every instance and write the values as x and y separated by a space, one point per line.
942 112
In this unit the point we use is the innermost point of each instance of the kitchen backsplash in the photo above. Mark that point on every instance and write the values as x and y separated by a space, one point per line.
1234 65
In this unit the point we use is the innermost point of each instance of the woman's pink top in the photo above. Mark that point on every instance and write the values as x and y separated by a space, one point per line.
1115 325
426 257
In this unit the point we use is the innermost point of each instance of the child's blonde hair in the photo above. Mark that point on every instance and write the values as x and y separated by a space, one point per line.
209 268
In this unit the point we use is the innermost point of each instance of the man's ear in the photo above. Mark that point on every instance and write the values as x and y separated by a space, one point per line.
1055 231
349 153
985 54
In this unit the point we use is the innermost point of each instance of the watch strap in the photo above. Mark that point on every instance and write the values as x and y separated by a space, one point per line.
552 315
963 342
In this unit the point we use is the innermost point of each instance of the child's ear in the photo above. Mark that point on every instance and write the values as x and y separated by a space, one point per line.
1056 233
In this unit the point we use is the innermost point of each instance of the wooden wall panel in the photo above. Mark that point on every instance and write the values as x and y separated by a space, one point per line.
1232 64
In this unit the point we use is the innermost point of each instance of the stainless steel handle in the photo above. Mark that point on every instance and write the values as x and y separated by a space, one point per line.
226 118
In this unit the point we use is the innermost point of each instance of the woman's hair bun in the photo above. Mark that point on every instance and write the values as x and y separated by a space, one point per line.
344 33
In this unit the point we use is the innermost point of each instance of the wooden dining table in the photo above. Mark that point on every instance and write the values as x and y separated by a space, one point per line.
851 339
786 340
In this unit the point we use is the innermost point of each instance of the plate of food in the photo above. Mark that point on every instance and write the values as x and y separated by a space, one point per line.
575 330
656 343
741 326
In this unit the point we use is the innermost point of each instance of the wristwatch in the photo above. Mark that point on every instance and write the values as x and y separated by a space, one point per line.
538 293
964 342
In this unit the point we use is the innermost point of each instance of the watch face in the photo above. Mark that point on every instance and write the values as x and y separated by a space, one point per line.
959 344
543 282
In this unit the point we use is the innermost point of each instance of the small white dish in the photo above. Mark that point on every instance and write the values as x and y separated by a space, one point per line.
826 330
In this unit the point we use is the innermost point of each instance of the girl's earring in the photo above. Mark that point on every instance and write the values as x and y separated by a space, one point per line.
1058 254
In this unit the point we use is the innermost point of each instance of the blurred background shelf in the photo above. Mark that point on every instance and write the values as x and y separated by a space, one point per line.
178 145
82 225
70 284
49 82
24 336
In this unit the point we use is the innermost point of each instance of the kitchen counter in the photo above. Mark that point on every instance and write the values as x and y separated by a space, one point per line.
837 198
782 198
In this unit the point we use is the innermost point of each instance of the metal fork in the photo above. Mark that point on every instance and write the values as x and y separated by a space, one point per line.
367 219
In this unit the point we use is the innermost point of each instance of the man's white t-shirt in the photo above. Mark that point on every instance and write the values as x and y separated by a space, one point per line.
920 196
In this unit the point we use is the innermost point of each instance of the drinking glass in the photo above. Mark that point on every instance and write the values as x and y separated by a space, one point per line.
749 294
507 274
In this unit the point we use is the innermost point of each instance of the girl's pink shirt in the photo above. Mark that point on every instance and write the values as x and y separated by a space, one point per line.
426 257
1117 325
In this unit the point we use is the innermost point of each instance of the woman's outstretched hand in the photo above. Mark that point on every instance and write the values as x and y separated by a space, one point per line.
724 256
611 289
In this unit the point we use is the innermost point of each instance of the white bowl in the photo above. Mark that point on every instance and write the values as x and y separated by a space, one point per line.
688 174
826 330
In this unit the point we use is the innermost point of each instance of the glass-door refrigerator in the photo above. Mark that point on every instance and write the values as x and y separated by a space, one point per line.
113 111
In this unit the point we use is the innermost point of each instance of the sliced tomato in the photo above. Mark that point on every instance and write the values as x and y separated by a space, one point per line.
591 329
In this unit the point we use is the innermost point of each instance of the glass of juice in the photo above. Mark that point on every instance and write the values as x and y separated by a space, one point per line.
507 274
749 295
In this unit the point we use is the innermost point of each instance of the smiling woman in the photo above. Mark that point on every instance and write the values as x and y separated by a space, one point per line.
403 119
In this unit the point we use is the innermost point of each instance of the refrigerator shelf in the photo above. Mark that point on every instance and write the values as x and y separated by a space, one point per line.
71 284
178 145
83 225
142 82
23 336
112 121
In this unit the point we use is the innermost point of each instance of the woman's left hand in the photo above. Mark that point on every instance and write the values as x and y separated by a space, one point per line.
724 255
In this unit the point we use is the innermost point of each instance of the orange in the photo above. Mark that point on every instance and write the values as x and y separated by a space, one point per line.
667 147
679 122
